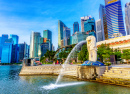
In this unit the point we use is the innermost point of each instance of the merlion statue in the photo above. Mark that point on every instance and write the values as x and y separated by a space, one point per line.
92 49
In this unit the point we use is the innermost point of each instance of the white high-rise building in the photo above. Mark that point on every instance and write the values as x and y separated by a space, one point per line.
34 44
83 19
127 17
99 35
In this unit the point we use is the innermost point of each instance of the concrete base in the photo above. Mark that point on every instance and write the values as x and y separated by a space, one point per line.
81 72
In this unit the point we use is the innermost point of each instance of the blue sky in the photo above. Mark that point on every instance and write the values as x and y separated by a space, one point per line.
21 17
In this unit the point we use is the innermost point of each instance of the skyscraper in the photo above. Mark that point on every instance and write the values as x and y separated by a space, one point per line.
114 17
127 17
75 27
23 51
2 41
102 16
99 30
83 19
89 27
47 34
34 44
15 38
7 51
61 26
15 50
66 36
79 36
44 48
47 37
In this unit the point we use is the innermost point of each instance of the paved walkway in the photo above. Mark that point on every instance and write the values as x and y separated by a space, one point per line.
122 66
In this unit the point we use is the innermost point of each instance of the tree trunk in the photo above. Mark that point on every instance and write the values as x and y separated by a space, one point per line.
127 62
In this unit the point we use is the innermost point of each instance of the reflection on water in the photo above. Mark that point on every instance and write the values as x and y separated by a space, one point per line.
11 83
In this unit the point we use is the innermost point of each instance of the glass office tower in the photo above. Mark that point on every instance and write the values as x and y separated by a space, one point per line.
102 16
75 27
66 36
127 17
114 17
84 19
78 37
44 48
47 35
99 35
89 27
23 51
7 51
15 38
34 44
15 50
2 41
61 26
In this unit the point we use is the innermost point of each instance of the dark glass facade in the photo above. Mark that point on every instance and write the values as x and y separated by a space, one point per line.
47 35
75 27
23 51
89 26
15 49
66 36
44 48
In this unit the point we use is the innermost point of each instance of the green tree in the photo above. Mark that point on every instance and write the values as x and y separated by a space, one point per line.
63 55
126 55
104 52
49 54
117 52
83 54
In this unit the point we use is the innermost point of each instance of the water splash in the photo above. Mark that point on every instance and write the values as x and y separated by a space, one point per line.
67 60
54 86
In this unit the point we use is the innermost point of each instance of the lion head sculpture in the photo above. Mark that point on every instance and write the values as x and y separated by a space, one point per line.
92 49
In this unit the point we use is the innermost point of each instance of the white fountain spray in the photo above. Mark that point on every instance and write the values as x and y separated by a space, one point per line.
67 60
56 85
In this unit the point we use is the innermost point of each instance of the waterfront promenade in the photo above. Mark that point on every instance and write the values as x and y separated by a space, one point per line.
81 72
115 74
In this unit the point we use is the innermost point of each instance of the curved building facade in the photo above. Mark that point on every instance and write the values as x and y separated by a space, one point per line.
114 18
